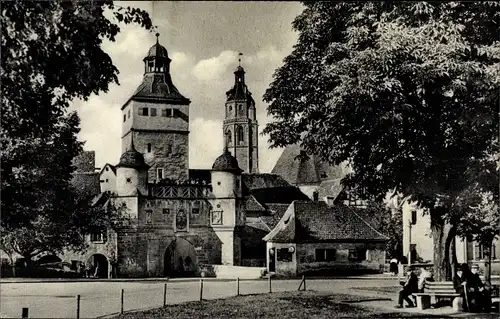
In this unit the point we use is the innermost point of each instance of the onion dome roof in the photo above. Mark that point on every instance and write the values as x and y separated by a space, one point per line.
132 159
226 162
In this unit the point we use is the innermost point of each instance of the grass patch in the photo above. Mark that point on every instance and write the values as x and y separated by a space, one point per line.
290 305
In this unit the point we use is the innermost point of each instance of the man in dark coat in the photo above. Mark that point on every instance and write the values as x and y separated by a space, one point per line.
480 298
460 281
410 286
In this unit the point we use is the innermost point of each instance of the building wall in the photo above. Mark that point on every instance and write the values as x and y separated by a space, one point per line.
420 235
374 258
107 248
169 151
107 180
282 268
142 250
303 260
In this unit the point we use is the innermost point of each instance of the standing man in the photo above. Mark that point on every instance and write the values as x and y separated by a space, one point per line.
410 286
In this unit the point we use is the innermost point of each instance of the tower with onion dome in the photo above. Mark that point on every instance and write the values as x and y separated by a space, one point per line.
227 217
157 116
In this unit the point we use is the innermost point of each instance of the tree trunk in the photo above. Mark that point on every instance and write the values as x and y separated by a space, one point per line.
487 264
442 235
453 256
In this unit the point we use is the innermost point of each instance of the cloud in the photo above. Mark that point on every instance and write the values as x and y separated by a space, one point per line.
201 69
205 142
214 68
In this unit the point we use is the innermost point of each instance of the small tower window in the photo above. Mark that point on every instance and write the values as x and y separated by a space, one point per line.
151 66
159 174
240 135
229 138
128 114
124 117
153 112
144 111
149 147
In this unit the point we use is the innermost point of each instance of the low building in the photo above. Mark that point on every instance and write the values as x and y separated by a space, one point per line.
316 238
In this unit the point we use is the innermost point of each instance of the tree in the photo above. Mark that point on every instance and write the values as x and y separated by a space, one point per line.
51 54
389 223
407 92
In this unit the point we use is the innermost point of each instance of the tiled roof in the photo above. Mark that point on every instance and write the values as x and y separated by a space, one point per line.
278 195
274 214
251 204
331 188
159 87
317 222
298 171
263 180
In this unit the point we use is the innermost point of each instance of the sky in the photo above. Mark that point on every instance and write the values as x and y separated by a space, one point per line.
203 40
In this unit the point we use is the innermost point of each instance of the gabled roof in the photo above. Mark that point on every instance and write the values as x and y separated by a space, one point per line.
278 195
274 214
113 168
263 180
299 171
317 222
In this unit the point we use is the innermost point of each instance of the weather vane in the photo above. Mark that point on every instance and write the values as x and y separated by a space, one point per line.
157 36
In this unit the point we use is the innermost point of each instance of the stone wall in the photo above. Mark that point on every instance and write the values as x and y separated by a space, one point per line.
141 250
170 152
107 248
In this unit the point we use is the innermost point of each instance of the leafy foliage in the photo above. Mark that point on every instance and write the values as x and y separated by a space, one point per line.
388 222
51 54
406 92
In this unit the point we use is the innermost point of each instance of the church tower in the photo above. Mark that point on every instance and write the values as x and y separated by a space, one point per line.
240 128
157 116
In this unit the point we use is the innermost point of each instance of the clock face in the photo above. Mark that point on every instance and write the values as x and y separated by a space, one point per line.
217 217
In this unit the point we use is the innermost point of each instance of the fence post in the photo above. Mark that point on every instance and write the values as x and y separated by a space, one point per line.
201 289
121 306
165 295
269 279
238 286
78 307
24 313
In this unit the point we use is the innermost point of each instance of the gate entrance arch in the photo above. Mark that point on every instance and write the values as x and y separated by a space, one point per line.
99 266
180 259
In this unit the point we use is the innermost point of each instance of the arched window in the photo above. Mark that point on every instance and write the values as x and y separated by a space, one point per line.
149 147
240 135
229 138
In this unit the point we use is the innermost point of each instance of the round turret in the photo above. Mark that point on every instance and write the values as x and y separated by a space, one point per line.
226 163
132 173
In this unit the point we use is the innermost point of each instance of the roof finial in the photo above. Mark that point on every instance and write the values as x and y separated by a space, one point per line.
157 36
239 58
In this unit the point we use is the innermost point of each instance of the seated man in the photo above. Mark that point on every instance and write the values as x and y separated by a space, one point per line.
460 282
480 298
410 286
425 275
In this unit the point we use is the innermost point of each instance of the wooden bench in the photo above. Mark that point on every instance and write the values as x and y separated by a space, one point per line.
437 290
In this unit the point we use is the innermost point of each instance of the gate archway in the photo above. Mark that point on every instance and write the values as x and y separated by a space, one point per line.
180 259
100 266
